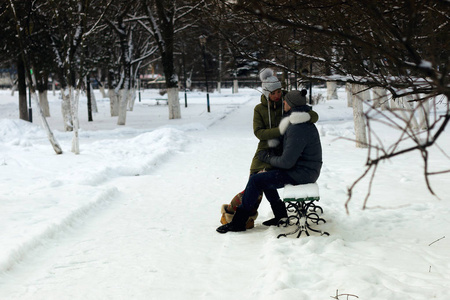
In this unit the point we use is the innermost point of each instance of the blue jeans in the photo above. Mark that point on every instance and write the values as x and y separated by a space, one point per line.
267 182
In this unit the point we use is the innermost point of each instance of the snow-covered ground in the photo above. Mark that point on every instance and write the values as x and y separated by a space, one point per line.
134 215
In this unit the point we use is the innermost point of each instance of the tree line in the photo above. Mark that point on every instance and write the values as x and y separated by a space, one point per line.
400 47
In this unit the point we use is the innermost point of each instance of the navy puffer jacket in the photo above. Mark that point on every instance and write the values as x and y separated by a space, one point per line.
302 150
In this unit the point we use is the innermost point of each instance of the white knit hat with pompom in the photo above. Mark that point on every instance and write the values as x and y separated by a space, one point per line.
269 82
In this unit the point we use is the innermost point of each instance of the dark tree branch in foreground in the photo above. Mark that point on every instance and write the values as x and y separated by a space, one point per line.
400 46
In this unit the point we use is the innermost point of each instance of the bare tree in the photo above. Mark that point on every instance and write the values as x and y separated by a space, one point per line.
30 78
401 46
164 20
125 36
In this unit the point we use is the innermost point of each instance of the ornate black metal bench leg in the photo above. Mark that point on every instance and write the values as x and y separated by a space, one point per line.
291 220
286 234
303 228
304 212
318 231
315 219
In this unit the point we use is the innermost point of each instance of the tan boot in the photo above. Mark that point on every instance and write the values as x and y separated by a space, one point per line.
227 217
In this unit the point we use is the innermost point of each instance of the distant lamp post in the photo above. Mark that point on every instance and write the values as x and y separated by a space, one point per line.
203 44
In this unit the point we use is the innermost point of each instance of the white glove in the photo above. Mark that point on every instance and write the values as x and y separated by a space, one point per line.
273 143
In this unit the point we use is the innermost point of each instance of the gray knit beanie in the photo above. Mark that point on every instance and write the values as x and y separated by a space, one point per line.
269 82
296 98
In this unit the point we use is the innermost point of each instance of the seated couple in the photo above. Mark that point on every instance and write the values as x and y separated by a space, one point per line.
298 161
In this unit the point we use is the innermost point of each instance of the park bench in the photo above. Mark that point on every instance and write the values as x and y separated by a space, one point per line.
160 99
303 211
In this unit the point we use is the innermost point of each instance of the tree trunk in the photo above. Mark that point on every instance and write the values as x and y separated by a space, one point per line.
188 83
66 109
410 105
380 98
131 99
102 90
22 86
101 83
43 100
89 98
331 90
348 89
93 101
358 115
164 25
50 135
172 87
424 111
13 85
235 86
123 100
30 78
42 87
174 103
405 107
113 102
219 85
75 122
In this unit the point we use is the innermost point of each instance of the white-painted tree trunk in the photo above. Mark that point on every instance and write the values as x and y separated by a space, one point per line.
406 109
14 86
411 104
219 85
113 102
50 135
358 115
131 99
173 102
101 85
102 91
188 83
235 86
380 98
65 108
365 93
43 100
424 112
397 106
331 90
123 100
75 121
348 90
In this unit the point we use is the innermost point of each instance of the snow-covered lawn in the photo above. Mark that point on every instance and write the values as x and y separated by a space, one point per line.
134 215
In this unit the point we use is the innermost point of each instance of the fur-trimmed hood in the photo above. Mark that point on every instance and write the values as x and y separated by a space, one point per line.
296 117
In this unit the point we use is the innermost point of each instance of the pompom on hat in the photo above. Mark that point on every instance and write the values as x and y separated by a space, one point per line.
270 83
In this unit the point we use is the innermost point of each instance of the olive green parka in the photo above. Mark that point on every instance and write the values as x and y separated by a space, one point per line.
266 118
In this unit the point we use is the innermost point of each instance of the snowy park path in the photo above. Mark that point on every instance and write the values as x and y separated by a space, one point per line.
134 215
156 238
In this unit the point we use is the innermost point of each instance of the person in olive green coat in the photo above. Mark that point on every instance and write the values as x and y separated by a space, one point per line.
266 118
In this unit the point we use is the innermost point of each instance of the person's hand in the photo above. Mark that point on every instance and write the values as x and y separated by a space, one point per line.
264 155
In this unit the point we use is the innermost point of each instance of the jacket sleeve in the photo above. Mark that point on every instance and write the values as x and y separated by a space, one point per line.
260 130
292 150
